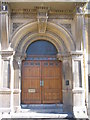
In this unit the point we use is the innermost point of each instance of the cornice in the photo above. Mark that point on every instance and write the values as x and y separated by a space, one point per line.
34 11
82 1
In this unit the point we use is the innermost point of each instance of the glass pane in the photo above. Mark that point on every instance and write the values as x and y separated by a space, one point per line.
41 47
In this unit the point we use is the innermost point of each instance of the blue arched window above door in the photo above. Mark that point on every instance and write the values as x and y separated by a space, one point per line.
41 47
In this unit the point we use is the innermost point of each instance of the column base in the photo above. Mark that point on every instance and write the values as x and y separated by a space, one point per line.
80 112
17 109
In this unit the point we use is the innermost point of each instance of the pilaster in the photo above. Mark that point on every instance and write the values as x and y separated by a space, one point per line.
66 81
17 91
6 90
79 108
79 16
5 26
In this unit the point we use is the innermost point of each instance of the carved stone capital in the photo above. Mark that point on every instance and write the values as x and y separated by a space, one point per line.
6 54
76 53
59 57
42 21
19 56
63 56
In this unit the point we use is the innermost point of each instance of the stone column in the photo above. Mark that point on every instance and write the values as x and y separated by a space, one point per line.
79 108
79 28
0 49
5 26
12 85
19 63
5 89
66 82
86 56
17 92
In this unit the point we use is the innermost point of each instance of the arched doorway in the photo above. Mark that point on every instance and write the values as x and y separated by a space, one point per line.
41 74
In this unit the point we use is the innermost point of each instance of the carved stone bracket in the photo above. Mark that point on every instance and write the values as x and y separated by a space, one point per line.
42 20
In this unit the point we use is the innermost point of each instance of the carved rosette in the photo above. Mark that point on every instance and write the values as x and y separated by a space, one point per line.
42 21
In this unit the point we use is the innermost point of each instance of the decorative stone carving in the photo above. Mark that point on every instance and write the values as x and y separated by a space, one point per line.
15 26
19 56
79 9
68 27
42 21
59 57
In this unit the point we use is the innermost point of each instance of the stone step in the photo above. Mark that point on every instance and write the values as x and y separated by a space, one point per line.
42 106
43 110
34 115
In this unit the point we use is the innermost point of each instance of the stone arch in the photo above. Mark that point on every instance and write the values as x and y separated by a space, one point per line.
57 34
31 38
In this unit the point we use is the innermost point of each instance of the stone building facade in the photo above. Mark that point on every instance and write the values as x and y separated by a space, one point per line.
63 24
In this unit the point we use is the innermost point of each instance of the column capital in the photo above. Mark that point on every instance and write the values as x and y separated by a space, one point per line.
76 54
6 54
19 56
63 56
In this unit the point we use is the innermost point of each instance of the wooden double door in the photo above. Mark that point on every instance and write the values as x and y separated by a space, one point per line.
41 82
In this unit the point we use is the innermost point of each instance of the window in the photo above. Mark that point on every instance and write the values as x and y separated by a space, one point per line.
41 47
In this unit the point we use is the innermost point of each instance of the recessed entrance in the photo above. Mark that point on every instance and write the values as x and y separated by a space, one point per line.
41 75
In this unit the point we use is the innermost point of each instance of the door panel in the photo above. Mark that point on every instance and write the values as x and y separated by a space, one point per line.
31 75
49 73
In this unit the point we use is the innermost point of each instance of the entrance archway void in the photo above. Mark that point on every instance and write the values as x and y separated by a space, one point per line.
41 74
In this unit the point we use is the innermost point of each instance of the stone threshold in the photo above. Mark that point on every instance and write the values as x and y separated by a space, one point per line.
36 115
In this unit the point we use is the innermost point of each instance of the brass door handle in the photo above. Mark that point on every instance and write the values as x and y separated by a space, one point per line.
41 83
